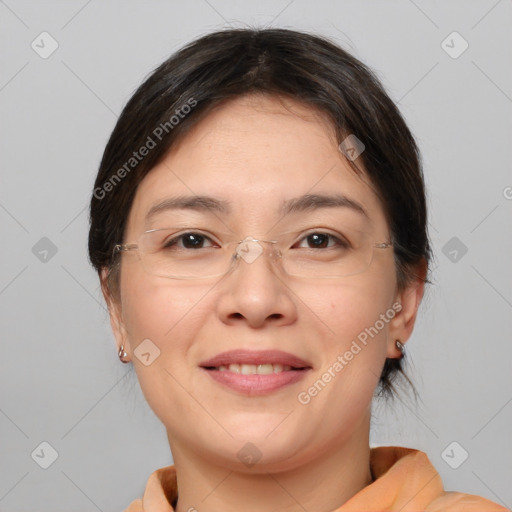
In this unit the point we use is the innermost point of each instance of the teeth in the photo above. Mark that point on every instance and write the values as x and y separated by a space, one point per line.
248 369
253 369
235 368
265 369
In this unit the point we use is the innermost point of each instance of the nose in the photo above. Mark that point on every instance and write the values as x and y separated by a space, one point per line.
255 292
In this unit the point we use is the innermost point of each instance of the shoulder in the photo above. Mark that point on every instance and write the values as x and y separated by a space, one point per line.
135 506
459 502
408 478
161 490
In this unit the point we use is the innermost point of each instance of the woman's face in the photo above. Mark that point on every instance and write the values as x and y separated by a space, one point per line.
255 160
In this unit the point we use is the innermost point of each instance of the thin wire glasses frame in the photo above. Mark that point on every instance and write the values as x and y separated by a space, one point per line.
165 259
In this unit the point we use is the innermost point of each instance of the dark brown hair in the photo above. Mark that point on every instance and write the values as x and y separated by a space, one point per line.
279 62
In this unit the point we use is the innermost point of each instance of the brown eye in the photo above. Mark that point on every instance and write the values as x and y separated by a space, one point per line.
321 241
188 241
318 240
193 240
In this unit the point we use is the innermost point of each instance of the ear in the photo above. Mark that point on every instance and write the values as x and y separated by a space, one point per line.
402 324
115 313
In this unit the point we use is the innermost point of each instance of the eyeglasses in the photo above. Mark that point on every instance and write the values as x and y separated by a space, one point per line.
184 253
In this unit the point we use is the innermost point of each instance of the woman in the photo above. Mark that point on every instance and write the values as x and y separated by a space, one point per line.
258 224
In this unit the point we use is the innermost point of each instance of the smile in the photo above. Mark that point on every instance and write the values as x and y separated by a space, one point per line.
252 369
256 372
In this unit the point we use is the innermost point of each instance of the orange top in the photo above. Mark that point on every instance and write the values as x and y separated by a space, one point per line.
405 481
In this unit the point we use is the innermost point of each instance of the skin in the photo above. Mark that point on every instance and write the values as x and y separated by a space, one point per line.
257 152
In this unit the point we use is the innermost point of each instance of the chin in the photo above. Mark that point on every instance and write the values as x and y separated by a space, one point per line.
264 449
257 458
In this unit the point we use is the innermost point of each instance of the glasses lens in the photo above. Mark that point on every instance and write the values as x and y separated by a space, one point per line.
180 254
323 255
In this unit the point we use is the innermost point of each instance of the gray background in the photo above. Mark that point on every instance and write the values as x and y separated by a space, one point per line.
60 379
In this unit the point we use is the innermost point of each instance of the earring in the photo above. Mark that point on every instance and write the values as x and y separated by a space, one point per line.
122 354
400 347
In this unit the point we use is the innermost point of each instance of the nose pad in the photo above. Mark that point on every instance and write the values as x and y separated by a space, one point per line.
249 250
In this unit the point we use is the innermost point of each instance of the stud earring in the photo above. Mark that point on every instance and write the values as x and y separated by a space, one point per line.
122 355
400 347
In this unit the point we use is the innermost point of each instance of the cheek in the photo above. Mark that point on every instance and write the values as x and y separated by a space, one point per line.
157 308
349 310
161 318
356 317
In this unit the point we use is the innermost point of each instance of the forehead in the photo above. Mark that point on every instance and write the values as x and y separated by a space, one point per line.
255 153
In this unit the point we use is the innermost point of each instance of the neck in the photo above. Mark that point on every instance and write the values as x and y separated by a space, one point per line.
322 484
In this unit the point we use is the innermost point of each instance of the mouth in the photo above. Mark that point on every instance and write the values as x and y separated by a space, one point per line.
256 372
252 369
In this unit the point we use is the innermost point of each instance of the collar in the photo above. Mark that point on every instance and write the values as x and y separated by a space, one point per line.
405 481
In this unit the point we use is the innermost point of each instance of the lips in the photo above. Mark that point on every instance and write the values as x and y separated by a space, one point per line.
251 357
256 372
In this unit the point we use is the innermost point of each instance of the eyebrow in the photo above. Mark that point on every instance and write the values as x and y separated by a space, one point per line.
303 203
309 202
198 203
